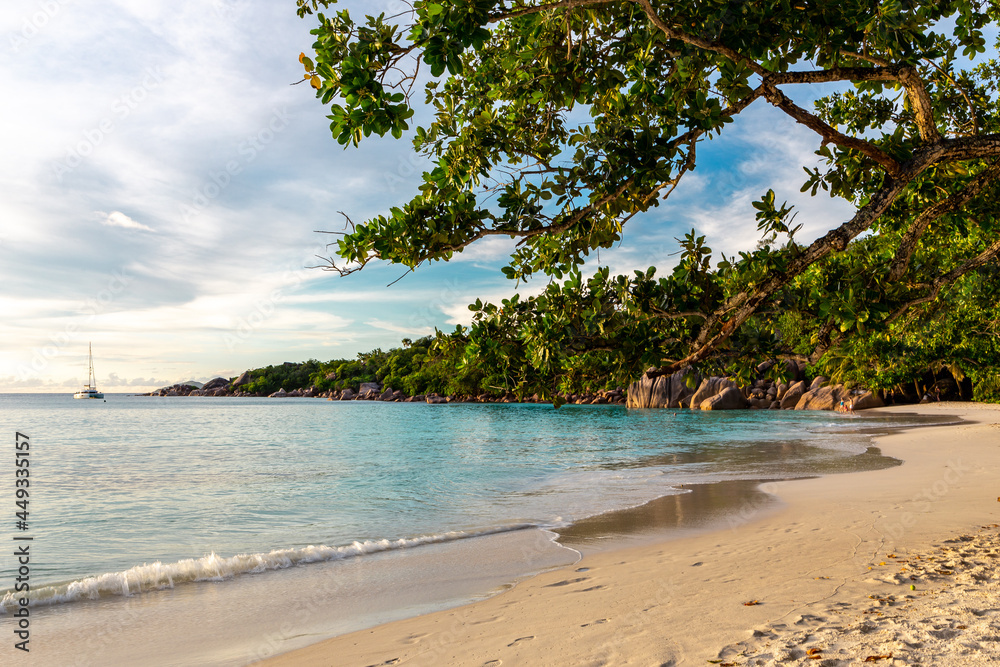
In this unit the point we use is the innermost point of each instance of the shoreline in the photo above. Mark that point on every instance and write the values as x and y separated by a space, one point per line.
682 601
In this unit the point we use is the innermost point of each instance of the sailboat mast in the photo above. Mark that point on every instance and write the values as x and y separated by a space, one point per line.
91 389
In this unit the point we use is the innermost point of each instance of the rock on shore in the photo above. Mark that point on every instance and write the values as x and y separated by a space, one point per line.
685 388
666 391
723 393
374 391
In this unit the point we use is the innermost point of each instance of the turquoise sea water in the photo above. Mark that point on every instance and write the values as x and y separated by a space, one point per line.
161 498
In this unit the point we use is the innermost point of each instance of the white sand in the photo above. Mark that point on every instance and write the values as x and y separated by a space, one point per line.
940 608
821 570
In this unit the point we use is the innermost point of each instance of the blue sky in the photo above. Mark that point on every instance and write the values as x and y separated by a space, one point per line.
162 183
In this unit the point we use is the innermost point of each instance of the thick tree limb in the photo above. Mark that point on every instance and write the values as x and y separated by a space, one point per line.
991 252
966 148
745 304
830 135
826 342
920 101
908 244
906 75
889 73
667 315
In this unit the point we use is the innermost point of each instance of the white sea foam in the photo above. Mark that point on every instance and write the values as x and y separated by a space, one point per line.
158 576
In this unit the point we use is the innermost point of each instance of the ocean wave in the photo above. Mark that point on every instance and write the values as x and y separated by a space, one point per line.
212 567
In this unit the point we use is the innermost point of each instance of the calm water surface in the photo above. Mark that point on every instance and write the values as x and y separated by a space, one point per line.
137 496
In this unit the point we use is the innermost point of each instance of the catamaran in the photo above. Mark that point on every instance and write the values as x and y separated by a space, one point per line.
91 390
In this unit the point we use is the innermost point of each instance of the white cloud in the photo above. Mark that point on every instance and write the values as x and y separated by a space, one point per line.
119 219
33 384
401 328
113 380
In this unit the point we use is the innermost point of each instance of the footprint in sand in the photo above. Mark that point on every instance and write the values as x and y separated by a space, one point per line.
521 639
597 622
583 569
806 619
592 588
567 582
493 663
943 634
487 620
698 564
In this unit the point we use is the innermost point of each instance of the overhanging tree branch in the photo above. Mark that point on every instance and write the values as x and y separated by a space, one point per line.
746 303
887 73
991 252
966 148
651 75
908 244
687 138
830 135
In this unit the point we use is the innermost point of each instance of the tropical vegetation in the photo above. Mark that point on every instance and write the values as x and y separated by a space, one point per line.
557 122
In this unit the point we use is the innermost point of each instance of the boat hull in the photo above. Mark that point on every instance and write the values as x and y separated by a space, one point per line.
88 394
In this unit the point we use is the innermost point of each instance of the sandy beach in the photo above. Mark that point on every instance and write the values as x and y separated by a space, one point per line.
891 567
